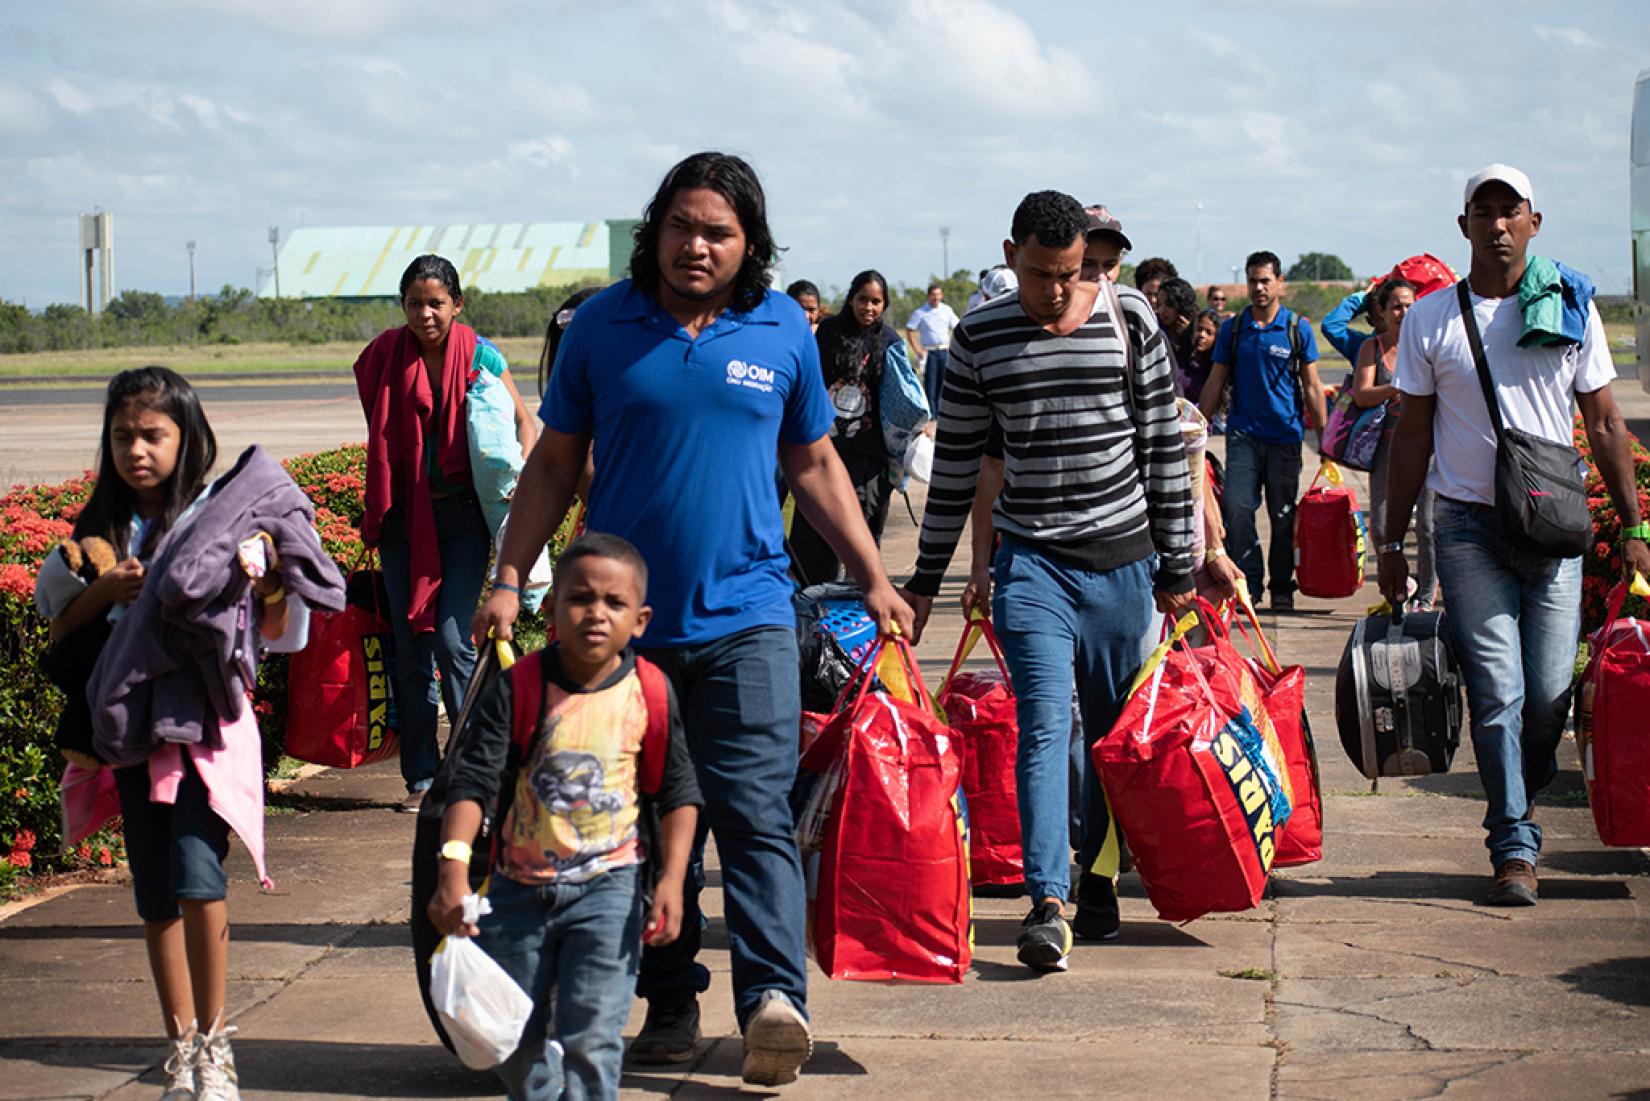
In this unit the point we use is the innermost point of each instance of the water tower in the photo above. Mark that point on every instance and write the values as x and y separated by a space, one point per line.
97 236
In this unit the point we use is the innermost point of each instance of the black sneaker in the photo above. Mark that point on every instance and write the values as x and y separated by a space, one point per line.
668 1035
1097 917
1283 602
1045 938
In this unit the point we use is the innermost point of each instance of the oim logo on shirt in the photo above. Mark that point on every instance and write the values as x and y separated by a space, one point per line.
750 375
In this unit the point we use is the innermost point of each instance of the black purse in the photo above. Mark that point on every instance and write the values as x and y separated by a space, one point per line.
1539 498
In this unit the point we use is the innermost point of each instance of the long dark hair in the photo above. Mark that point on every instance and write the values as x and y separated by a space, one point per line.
843 346
554 330
108 512
734 180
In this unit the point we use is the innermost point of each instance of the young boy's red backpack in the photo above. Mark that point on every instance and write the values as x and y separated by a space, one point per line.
527 704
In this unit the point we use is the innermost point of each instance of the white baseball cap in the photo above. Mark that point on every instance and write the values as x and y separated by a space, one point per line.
1503 173
998 282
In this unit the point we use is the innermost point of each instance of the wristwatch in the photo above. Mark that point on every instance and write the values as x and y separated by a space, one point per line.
1391 548
1639 531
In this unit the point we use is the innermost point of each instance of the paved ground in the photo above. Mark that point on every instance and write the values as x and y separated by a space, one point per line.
1373 974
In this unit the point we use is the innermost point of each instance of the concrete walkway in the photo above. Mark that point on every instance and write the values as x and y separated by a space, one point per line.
1373 975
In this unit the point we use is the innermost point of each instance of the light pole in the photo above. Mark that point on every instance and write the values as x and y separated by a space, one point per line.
275 253
189 246
945 253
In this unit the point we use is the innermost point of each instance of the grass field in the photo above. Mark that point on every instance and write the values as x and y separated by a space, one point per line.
321 360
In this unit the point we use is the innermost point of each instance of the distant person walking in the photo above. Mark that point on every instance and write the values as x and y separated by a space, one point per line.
928 330
1269 358
856 349
422 512
1514 612
1149 275
1372 386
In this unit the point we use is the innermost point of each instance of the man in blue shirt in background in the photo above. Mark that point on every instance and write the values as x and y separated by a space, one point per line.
1269 356
687 379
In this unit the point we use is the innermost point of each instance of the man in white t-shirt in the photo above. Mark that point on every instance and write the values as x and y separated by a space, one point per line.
1514 614
929 331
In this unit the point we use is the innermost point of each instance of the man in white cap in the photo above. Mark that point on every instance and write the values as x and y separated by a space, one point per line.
1514 612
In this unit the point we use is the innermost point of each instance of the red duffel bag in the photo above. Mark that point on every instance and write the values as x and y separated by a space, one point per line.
1330 540
1193 772
889 897
1301 841
1611 734
979 705
339 685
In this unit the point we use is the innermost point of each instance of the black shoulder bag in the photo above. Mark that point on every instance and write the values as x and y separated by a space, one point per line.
1539 498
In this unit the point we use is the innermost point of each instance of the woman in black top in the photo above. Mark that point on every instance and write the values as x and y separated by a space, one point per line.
855 349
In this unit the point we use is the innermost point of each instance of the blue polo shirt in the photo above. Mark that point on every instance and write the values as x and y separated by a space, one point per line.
1266 399
686 434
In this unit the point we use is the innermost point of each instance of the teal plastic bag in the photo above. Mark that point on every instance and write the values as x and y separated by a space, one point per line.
496 460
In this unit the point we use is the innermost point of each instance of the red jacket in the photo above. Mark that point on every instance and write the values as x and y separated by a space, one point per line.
395 395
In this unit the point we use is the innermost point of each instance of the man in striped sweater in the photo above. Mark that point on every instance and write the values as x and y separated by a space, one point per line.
1096 516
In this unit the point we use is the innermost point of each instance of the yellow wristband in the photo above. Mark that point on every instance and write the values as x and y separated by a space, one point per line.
275 597
456 850
1213 553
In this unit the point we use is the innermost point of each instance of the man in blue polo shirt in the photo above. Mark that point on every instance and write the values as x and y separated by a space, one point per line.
1269 356
687 379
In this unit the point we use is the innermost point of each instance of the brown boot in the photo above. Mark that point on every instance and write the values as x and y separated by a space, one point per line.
1514 884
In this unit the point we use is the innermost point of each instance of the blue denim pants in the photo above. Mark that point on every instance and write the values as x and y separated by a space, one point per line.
933 376
1253 466
465 546
573 947
741 711
1514 618
1056 623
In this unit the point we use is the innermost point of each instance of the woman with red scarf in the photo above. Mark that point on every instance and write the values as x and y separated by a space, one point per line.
422 512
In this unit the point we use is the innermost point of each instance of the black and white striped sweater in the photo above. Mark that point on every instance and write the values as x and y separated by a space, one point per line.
1075 447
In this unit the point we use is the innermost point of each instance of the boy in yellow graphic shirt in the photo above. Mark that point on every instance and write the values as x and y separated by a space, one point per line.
579 828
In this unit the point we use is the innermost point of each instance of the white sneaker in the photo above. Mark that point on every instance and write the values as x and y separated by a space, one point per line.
180 1067
215 1078
777 1041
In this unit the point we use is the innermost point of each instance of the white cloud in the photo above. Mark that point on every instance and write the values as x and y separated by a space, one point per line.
542 152
1568 36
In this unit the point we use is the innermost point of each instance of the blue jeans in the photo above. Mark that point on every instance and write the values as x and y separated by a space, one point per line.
1253 466
933 376
461 537
1054 620
573 948
1514 618
741 711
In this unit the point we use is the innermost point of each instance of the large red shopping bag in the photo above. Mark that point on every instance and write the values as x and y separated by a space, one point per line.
339 685
1194 774
888 892
979 705
1330 540
1284 688
1611 734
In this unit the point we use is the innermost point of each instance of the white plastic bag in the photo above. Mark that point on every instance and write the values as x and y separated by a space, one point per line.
919 457
480 1005
536 586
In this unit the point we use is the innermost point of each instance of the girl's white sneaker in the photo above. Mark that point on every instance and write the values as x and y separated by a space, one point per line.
179 1067
215 1078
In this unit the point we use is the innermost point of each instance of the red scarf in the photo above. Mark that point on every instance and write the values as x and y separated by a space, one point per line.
395 395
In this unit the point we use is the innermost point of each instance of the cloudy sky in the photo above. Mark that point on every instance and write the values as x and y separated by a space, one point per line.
1299 125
